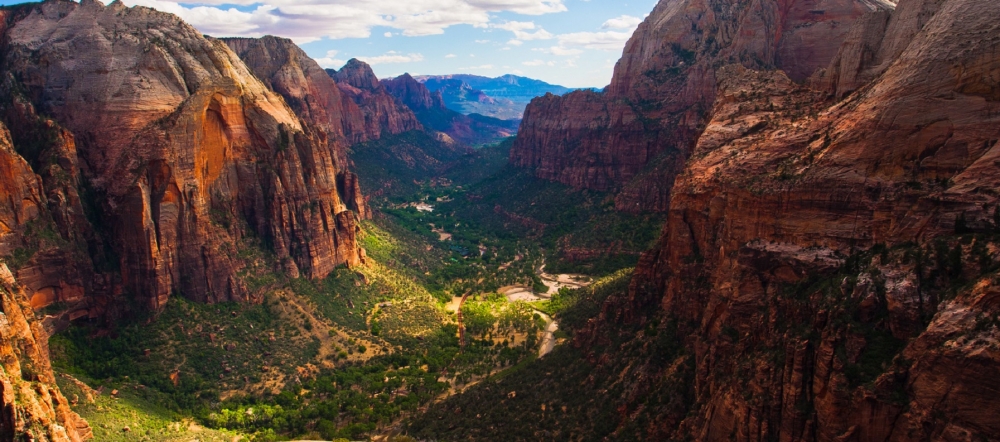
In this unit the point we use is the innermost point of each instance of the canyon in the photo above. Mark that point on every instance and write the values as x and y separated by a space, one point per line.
881 136
824 173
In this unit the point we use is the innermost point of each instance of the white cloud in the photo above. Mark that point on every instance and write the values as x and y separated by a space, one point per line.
605 41
388 34
575 43
515 43
482 42
392 57
623 22
534 63
330 61
521 30
450 56
484 67
560 51
310 20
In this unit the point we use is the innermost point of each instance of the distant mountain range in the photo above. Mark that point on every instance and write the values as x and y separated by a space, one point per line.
502 97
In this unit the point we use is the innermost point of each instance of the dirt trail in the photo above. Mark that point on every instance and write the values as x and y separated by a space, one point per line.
549 336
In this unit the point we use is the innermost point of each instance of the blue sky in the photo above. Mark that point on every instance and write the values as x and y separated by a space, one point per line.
573 43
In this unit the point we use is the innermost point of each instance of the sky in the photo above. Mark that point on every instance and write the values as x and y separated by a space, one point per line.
573 43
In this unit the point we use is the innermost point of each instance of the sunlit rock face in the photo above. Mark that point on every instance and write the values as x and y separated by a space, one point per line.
32 406
894 142
184 151
635 136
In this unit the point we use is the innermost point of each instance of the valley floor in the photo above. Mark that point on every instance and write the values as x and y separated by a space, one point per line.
463 285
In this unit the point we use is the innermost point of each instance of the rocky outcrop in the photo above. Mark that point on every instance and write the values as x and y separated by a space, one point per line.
23 195
44 222
432 113
828 263
309 91
314 97
637 134
182 151
381 113
32 406
412 93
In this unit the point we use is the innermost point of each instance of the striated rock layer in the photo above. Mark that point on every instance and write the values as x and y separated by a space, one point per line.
309 91
792 333
636 135
181 151
32 406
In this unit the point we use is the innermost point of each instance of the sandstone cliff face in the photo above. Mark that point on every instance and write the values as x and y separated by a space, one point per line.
46 232
305 86
187 153
23 197
792 333
32 407
638 133
380 113
314 97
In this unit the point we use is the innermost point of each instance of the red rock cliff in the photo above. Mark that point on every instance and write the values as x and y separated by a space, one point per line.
381 112
311 93
314 97
431 111
32 406
185 151
759 262
636 135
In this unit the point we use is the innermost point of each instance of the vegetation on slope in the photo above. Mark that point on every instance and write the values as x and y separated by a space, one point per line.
634 380
359 351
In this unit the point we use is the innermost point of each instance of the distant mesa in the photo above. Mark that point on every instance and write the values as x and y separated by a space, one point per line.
503 97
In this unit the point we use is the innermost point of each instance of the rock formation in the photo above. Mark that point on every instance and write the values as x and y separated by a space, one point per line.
810 261
32 407
183 153
314 97
412 93
635 136
23 194
309 91
431 111
381 113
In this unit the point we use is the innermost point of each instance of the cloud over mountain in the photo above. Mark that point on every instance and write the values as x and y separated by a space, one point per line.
310 20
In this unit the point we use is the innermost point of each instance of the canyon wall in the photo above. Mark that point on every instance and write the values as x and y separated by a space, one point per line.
635 136
32 407
829 261
162 154
381 113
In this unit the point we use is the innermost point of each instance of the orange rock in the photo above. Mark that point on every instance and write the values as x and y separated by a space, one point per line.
187 152
33 407
636 135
